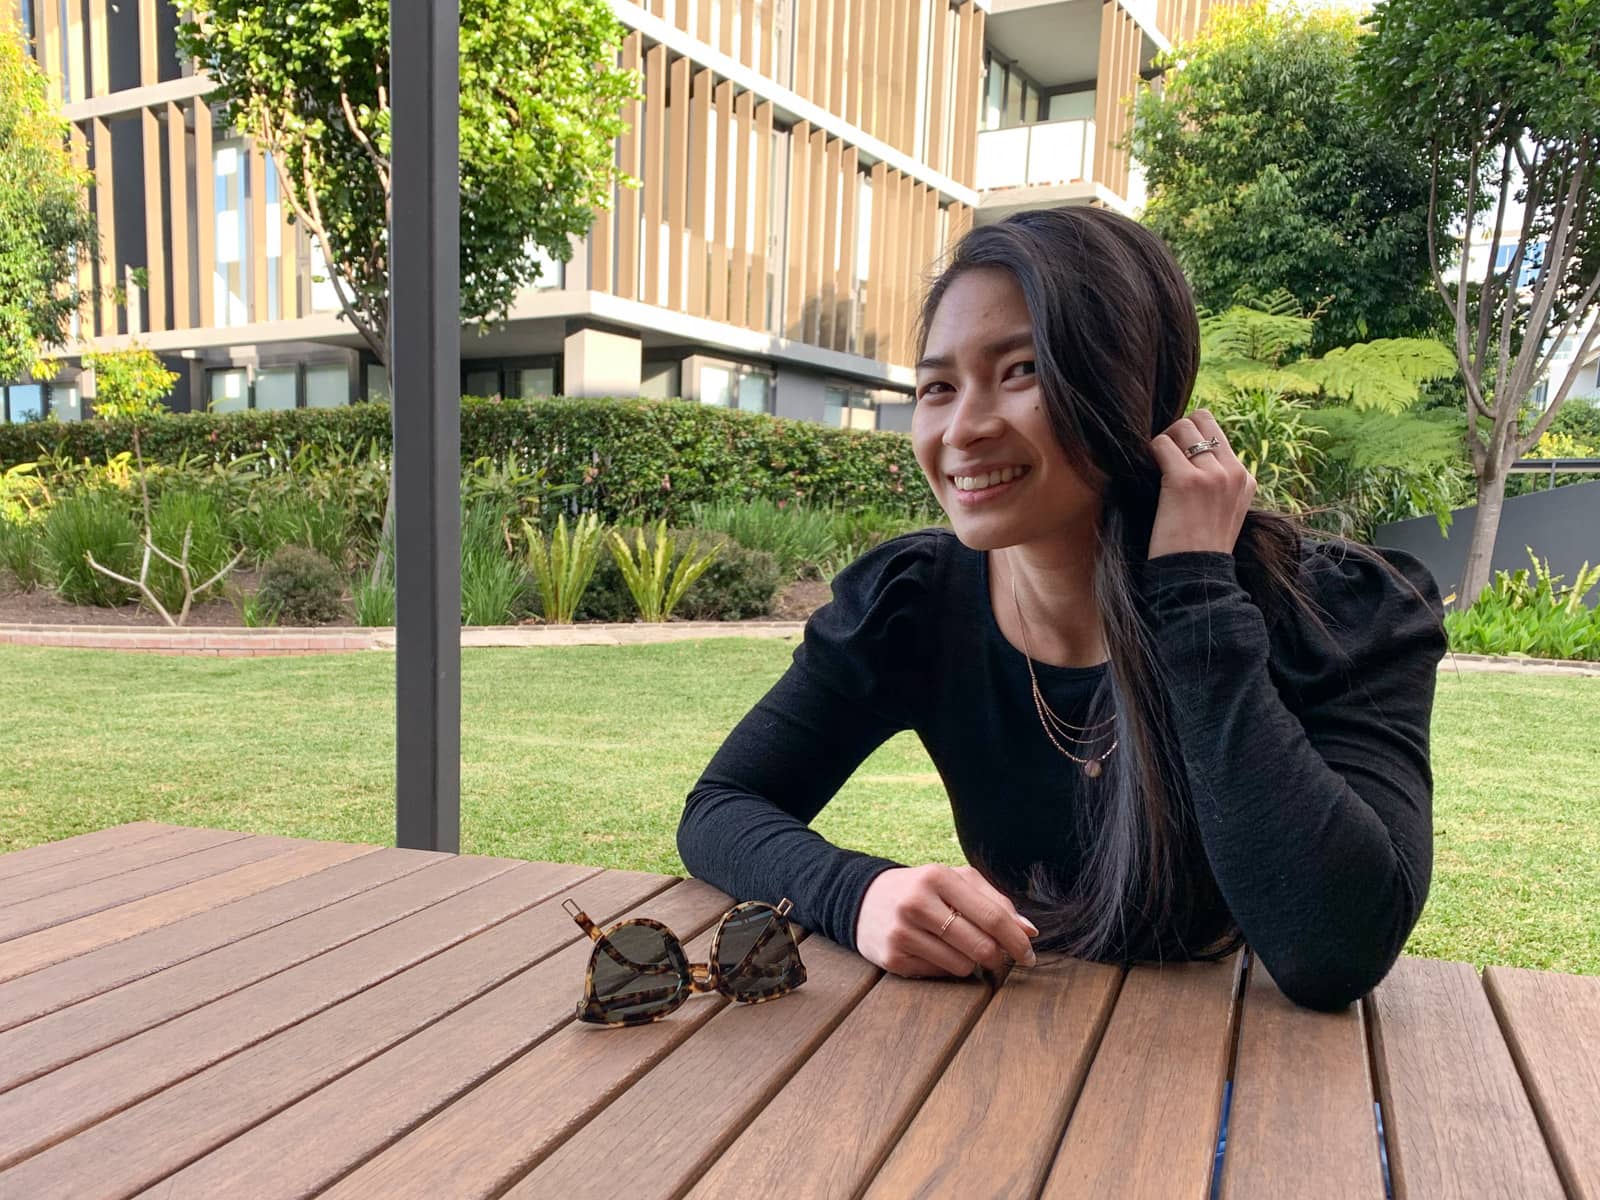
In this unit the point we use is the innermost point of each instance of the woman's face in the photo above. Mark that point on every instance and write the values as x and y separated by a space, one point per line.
980 427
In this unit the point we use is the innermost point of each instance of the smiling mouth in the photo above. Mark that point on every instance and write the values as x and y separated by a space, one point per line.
988 480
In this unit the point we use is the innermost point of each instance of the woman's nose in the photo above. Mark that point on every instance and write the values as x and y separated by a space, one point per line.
973 419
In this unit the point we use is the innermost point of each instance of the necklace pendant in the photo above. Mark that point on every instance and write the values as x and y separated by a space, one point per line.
1092 768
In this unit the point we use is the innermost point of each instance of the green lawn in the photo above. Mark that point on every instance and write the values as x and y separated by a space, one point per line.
585 754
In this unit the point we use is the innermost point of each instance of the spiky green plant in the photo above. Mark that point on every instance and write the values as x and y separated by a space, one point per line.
564 564
655 585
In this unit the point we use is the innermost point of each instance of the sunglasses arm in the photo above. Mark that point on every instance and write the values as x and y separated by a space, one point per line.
616 956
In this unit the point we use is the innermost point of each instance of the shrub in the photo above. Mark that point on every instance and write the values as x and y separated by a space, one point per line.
493 584
210 548
1519 615
90 523
737 585
302 587
21 553
374 602
658 571
564 564
617 457
272 517
800 538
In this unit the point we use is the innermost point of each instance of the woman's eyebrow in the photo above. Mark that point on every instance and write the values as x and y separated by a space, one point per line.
1005 345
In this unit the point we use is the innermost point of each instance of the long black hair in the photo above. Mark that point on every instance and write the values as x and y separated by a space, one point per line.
1116 348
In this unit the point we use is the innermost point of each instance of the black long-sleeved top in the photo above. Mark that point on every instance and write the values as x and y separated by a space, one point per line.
1307 767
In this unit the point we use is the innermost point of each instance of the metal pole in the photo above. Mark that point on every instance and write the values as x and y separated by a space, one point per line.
425 332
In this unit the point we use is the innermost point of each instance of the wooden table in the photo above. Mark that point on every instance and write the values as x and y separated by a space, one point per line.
196 1012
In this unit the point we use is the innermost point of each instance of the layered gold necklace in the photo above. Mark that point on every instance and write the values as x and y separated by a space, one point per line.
1053 724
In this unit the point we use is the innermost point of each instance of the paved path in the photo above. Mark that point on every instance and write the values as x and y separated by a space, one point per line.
277 641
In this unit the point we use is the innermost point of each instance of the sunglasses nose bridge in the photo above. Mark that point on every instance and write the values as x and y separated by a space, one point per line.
700 977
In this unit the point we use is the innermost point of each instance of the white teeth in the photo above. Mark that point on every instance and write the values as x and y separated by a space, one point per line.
975 483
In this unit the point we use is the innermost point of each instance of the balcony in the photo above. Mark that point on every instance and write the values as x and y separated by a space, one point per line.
1043 155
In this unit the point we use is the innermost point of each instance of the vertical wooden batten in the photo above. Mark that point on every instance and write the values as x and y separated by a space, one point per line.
257 248
844 287
178 199
827 288
759 291
655 165
819 239
939 83
877 265
108 275
628 197
678 105
799 230
739 284
205 211
77 79
149 67
699 190
723 201
85 275
99 51
155 239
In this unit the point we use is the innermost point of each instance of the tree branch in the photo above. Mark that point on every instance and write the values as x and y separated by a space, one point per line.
1542 425
378 162
1491 284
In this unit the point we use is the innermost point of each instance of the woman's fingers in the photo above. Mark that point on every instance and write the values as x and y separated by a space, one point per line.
1208 427
987 929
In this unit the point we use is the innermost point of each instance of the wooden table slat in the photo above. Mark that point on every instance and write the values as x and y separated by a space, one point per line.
343 1125
44 947
1551 1024
1146 1121
51 988
493 1134
1456 1119
835 1122
140 1145
991 1125
660 1134
105 871
87 1090
80 848
1301 1122
50 1042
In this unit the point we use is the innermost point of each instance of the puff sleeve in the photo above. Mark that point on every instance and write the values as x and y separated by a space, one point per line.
854 682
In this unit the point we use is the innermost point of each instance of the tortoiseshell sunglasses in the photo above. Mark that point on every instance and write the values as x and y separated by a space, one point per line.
754 957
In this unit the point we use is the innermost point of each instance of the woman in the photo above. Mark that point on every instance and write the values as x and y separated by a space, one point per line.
1166 722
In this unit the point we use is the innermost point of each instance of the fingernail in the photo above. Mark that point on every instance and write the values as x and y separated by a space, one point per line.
1031 960
1033 930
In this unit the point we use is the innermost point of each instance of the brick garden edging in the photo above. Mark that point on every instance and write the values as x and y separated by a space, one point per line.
214 641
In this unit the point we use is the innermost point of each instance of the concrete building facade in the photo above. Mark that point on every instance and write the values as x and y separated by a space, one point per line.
803 164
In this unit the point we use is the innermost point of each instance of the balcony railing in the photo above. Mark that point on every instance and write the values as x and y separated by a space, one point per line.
1052 152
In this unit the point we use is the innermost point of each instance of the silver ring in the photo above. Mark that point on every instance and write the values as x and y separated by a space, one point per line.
1206 447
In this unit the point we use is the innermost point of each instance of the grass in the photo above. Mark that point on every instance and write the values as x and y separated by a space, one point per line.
584 754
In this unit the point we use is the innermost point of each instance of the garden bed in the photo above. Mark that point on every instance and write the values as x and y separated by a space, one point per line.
41 606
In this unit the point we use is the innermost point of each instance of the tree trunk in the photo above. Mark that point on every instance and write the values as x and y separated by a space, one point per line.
1485 527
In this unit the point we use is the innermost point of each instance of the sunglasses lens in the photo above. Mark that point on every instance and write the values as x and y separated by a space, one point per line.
754 967
638 972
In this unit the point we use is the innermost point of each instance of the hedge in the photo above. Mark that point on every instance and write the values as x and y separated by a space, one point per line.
622 456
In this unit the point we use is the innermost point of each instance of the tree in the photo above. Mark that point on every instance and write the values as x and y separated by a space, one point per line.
1502 101
44 227
541 98
1335 438
1264 173
541 102
130 386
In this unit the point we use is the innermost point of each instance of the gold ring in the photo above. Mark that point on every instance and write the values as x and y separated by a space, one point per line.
948 921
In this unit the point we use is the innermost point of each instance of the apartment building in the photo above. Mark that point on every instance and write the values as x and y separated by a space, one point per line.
803 164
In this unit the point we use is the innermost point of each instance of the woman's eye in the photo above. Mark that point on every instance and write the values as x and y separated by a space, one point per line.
930 389
1031 369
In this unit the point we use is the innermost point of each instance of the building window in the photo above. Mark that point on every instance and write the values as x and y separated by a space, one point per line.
327 386
277 387
66 402
848 408
22 402
377 383
732 385
227 390
482 382
528 382
277 253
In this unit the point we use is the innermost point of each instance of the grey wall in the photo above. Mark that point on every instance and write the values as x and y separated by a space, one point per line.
799 395
1561 524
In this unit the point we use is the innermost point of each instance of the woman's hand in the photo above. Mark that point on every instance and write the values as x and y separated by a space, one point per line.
1204 499
904 910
